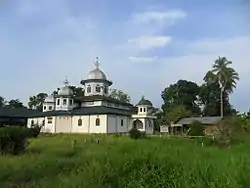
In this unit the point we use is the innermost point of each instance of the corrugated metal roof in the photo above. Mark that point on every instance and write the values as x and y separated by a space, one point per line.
204 120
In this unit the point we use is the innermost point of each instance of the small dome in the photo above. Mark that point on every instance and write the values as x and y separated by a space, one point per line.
49 99
96 74
145 102
65 91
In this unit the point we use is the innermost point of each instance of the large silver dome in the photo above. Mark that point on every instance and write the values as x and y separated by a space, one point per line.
96 74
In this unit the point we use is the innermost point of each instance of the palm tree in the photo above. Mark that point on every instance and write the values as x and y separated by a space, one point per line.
226 76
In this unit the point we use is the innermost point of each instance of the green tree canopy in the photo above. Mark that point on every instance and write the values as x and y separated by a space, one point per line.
183 93
36 102
119 95
226 76
77 91
15 103
209 97
176 113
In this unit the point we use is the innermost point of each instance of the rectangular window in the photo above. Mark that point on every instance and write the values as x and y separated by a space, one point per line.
121 122
58 101
49 120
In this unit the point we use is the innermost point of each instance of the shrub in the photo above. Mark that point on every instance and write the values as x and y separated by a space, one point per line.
13 140
136 134
227 129
196 129
34 131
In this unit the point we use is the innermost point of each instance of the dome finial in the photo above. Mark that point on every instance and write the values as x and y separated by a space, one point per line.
66 82
97 64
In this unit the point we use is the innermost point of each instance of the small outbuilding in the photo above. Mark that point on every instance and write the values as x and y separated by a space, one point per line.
208 122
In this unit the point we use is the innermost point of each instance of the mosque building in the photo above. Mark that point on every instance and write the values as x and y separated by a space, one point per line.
95 112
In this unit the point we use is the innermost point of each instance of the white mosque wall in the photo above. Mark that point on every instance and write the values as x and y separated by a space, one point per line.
89 124
118 124
47 123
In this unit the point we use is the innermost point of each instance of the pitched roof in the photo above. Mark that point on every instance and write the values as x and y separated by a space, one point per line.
204 120
86 111
16 112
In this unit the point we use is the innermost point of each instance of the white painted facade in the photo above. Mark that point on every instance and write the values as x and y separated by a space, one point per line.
95 85
83 124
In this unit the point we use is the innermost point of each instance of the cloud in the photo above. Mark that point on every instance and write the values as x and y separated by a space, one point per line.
162 18
150 42
142 59
54 40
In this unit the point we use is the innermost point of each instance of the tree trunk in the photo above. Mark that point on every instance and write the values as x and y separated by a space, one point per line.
221 102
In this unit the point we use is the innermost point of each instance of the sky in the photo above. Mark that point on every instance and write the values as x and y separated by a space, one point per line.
143 45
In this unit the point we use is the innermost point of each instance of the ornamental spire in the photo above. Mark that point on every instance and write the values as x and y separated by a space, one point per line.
97 64
66 82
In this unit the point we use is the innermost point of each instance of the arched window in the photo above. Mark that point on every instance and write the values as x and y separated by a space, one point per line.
50 107
98 89
43 123
140 109
44 107
89 89
58 101
121 122
71 101
64 101
149 124
144 109
32 122
79 122
97 121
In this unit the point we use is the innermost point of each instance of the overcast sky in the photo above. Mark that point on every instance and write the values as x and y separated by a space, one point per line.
144 45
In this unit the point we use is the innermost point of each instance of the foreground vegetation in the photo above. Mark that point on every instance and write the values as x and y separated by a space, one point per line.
118 161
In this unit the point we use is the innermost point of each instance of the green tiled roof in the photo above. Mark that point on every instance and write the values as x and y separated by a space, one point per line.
86 111
144 101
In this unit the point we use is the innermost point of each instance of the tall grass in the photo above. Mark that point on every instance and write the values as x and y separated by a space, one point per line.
115 162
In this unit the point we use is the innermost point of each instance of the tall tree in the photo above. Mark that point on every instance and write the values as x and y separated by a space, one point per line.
119 95
36 102
15 103
227 78
209 96
183 93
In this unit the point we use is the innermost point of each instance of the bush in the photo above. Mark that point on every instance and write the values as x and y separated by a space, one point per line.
13 140
227 129
196 129
34 131
136 134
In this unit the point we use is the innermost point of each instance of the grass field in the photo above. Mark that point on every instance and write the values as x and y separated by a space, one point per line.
121 162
